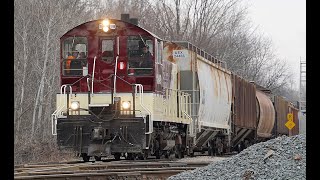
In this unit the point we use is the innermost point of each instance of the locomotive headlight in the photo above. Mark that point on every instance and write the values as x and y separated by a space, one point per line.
126 105
105 29
105 22
104 25
75 105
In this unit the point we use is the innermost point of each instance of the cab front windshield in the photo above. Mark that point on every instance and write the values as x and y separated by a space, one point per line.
140 55
74 55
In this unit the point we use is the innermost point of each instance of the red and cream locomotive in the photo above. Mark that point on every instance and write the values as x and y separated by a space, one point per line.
126 92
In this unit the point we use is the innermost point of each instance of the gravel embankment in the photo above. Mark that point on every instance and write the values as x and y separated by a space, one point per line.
209 159
280 158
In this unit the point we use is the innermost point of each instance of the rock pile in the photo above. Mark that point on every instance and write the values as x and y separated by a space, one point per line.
280 158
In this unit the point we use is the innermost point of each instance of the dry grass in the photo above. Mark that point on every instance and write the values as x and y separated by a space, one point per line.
39 152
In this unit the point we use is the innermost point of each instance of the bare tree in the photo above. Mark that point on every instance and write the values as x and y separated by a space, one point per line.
20 61
39 24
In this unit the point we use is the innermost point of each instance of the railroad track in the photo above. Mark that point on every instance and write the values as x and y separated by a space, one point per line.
105 170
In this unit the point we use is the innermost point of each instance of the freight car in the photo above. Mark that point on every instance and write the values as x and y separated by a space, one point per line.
117 99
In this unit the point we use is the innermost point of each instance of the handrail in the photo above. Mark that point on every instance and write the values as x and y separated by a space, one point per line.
115 79
64 92
140 68
191 121
145 108
88 84
64 87
118 46
202 53
54 118
80 79
54 130
57 112
124 80
94 67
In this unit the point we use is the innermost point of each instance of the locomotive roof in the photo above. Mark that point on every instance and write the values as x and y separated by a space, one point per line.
152 34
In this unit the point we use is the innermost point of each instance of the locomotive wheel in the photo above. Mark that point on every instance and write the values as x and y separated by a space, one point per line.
157 154
85 157
190 152
117 156
178 152
129 156
167 154
210 151
97 158
142 157
145 155
179 155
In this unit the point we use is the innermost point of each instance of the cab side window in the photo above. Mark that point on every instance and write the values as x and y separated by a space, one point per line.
74 56
140 55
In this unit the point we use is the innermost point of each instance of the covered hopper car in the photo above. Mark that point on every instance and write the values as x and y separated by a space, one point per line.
126 92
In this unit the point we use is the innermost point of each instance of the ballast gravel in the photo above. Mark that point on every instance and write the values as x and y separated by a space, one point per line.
280 158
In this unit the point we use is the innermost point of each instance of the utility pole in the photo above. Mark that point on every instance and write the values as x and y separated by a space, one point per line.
302 97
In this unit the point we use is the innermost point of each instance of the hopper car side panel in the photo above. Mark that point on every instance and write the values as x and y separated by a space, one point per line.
215 96
281 109
244 103
244 119
266 115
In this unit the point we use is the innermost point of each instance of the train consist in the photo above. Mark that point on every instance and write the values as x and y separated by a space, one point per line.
126 92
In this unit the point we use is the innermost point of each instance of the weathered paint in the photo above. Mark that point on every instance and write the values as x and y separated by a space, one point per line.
165 107
187 58
174 77
215 95
282 109
295 111
182 57
244 103
166 74
266 115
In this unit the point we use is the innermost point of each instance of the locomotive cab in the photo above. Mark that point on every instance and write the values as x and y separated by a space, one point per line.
106 101
128 55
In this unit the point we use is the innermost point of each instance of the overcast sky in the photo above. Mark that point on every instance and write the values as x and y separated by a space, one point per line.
284 21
